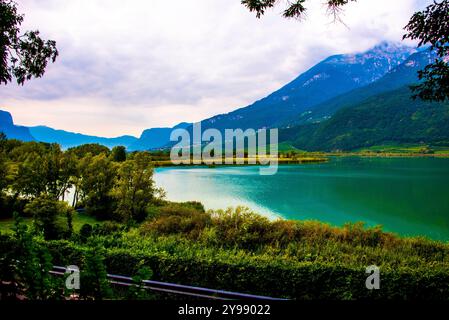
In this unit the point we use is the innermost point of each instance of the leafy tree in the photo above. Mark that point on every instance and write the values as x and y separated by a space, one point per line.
3 165
46 171
135 188
85 232
32 264
138 291
49 215
97 179
2 140
3 172
431 27
94 282
94 149
119 154
23 56
294 9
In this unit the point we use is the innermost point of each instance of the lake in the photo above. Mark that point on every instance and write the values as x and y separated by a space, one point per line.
408 196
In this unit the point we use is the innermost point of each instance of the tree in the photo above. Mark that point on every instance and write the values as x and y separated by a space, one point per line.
3 172
295 9
95 284
430 27
94 149
46 171
23 56
31 266
119 153
135 188
97 178
49 215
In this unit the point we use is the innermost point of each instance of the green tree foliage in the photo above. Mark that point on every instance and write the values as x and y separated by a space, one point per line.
51 217
135 188
431 27
85 232
93 148
118 153
44 171
94 282
23 56
295 9
138 291
32 264
98 177
390 117
3 172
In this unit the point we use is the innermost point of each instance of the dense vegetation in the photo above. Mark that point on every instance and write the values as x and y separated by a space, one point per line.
391 117
143 235
241 251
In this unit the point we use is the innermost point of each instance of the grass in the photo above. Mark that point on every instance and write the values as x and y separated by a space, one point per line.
79 219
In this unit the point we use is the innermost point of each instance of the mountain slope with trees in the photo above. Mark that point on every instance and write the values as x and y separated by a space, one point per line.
403 75
392 117
330 78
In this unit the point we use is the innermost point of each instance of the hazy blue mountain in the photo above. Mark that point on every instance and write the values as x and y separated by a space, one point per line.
70 139
330 78
12 131
155 138
150 139
405 74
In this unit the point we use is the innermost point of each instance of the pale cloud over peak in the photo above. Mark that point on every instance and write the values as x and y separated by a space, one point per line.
129 65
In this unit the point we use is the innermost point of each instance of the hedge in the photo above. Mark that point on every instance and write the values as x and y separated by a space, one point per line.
271 277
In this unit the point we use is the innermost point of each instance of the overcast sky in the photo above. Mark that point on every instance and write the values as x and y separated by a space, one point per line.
125 66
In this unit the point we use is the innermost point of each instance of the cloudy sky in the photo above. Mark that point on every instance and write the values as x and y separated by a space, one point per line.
125 66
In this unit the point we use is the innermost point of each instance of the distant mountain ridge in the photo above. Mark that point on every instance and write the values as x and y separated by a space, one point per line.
342 103
70 139
13 131
380 113
387 118
150 139
330 78
155 138
404 74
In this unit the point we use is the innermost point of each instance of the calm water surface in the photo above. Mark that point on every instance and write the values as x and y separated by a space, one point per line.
409 196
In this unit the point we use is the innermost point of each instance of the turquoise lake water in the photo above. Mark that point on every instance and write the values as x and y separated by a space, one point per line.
408 196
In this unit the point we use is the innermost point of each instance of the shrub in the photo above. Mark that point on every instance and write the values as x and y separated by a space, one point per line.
10 204
186 218
85 232
51 217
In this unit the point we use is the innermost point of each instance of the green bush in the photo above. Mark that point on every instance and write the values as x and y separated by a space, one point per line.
173 260
10 204
51 217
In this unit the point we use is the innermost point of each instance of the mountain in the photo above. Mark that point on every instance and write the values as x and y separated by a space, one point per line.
155 138
404 74
150 139
330 78
12 131
69 139
391 117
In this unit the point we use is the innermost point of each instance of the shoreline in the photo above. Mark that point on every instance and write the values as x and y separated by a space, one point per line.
312 159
